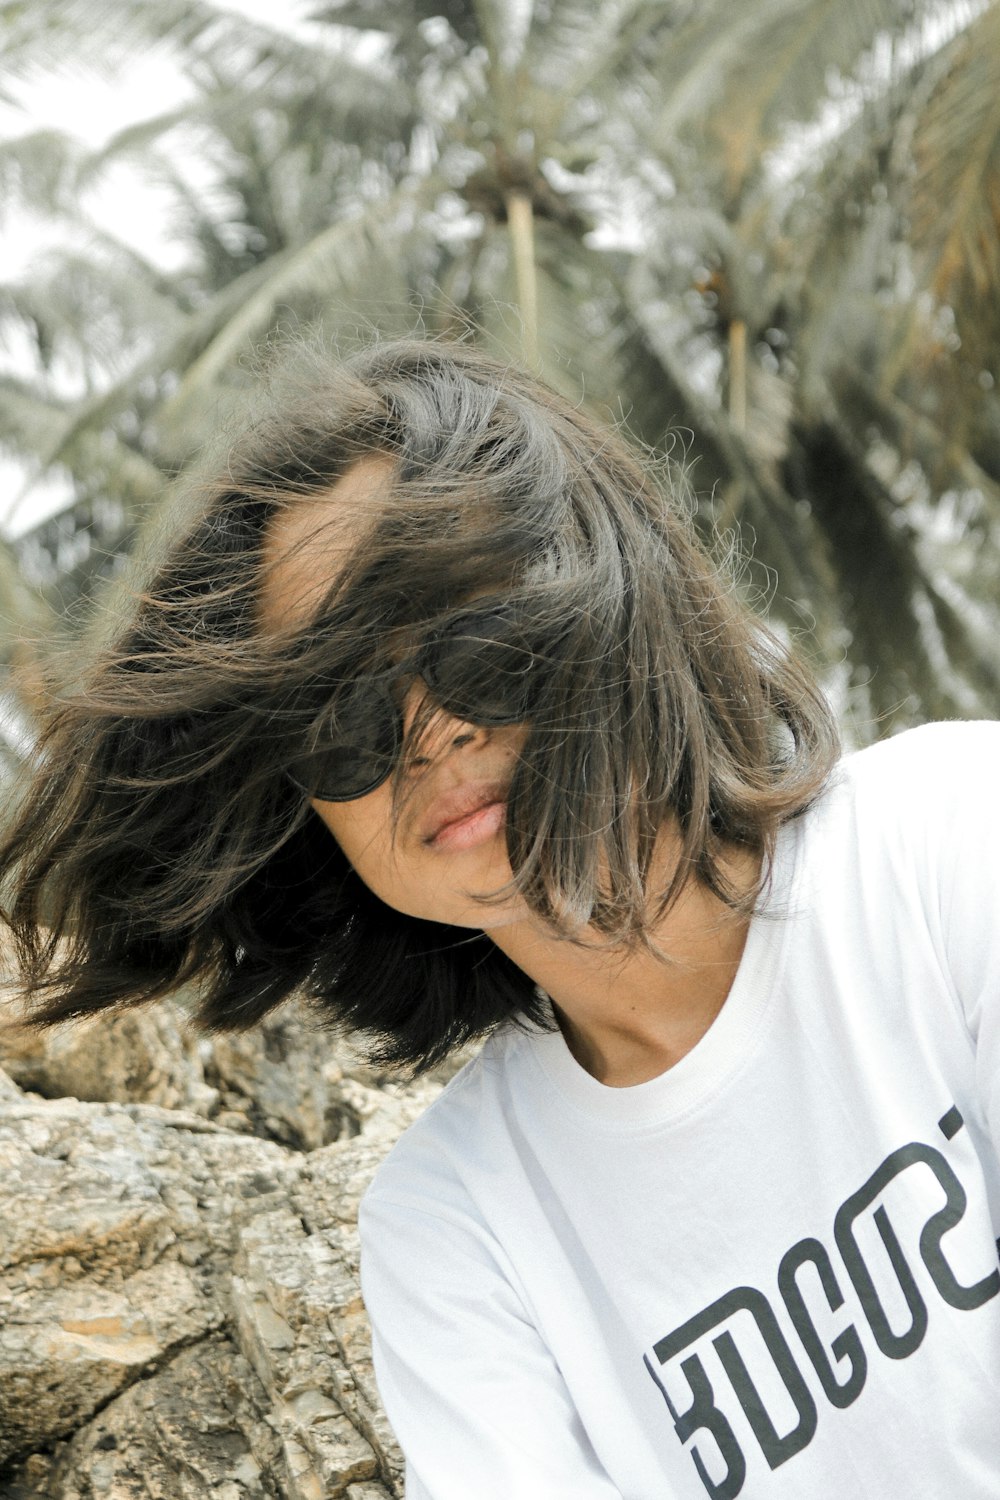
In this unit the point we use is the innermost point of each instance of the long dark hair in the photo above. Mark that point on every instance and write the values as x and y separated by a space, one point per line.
161 841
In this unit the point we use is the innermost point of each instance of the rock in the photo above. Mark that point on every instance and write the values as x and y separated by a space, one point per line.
179 1299
118 1225
326 1195
194 1428
289 1080
8 1088
143 1055
173 1323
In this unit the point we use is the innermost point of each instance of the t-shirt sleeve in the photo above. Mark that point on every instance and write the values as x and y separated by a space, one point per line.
963 790
473 1394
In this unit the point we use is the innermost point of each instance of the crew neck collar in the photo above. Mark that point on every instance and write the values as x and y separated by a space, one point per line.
723 1050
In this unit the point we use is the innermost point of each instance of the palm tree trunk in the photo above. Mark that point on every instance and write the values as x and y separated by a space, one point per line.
521 224
738 374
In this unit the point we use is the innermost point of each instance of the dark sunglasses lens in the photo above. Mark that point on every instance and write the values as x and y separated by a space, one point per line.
481 669
354 754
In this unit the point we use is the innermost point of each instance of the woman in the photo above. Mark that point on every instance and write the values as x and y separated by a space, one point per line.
436 710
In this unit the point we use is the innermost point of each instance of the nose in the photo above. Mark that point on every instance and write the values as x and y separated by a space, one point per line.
438 731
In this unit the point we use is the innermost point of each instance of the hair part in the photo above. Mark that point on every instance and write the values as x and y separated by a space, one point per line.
160 840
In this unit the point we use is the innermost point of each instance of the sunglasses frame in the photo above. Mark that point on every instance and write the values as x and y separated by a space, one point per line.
422 665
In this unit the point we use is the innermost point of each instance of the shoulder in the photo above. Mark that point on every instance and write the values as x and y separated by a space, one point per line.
431 1214
919 780
910 816
445 1152
947 752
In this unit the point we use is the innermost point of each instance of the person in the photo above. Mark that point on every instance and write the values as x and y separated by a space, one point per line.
433 709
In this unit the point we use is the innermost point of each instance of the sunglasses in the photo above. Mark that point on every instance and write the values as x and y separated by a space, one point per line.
479 667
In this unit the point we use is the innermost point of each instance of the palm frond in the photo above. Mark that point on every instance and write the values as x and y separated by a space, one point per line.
914 435
887 594
24 613
743 78
956 149
40 171
133 142
503 29
577 47
28 416
169 353
326 92
87 314
339 263
405 24
103 36
738 490
331 264
968 637
97 461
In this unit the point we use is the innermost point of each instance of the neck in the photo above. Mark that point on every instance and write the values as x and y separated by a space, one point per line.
629 1016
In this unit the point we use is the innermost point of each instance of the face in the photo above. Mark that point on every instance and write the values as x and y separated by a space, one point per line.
444 845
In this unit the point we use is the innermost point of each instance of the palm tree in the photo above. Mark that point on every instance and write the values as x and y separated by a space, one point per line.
834 282
370 193
612 193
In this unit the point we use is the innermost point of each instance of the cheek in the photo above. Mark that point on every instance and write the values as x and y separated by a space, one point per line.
363 829
404 878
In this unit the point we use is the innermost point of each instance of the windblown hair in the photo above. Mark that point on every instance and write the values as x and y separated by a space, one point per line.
161 841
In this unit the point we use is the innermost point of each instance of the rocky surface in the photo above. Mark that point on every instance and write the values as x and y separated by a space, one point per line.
179 1289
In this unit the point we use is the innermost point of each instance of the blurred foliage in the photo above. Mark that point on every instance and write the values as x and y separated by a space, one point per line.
766 235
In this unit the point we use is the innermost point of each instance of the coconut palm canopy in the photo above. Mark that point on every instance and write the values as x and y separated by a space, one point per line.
767 235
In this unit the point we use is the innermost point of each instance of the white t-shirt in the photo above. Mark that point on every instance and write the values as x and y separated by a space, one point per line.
770 1272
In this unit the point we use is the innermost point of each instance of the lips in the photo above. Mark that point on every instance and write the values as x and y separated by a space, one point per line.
464 813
